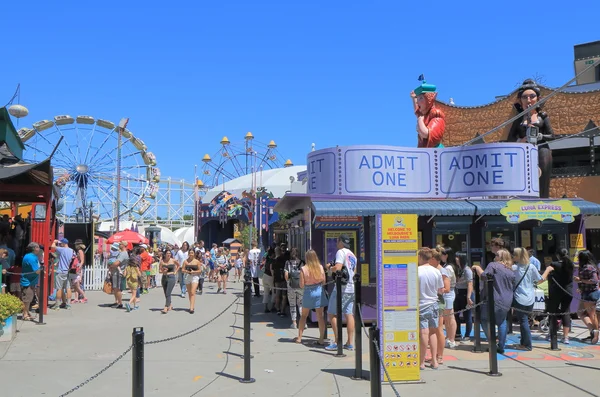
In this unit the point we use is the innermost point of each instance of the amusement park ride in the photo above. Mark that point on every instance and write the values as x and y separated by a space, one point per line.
234 160
105 172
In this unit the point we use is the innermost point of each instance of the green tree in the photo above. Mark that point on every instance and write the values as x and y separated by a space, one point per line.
188 217
245 237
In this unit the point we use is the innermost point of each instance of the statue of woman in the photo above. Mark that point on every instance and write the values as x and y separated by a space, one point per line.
431 123
534 127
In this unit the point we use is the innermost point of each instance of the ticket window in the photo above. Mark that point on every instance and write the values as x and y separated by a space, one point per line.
456 240
506 234
547 242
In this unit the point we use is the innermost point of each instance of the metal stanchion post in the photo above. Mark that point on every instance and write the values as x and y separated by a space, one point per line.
553 333
338 305
492 328
477 316
374 361
358 329
137 372
42 298
247 308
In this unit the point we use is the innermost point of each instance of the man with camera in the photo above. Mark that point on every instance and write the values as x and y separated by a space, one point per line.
345 262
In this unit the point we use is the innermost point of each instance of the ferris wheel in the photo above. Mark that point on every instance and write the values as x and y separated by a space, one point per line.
234 160
85 167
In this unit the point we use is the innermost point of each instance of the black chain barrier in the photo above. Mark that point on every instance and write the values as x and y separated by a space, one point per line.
195 329
147 343
98 373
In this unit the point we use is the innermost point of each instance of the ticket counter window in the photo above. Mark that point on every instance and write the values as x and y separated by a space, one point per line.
506 236
547 244
456 240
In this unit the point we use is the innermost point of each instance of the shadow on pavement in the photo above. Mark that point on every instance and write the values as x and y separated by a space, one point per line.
554 377
473 371
346 372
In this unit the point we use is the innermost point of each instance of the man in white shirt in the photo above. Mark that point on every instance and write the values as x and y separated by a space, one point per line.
430 284
343 258
252 267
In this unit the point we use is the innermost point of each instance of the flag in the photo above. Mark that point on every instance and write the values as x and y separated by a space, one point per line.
421 77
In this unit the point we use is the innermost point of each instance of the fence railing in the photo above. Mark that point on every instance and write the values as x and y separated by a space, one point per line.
93 276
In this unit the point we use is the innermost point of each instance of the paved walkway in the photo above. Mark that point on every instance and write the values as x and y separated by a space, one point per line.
75 344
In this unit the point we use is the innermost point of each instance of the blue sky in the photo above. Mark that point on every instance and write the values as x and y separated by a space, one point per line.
330 72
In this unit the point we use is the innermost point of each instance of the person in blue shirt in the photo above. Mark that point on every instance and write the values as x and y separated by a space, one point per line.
535 262
30 277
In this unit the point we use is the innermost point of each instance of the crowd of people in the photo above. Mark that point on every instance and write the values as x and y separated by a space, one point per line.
296 286
447 295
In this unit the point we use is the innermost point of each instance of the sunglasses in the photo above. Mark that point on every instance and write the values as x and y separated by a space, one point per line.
529 96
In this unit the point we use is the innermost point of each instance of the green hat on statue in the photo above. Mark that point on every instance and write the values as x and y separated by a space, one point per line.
424 87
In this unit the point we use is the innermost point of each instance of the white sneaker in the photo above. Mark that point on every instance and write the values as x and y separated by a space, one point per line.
450 344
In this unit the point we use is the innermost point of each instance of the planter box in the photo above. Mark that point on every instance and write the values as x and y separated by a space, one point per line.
8 331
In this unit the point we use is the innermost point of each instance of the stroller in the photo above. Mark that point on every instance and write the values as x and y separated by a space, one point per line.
540 314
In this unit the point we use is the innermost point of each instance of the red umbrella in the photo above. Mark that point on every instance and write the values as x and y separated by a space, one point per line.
129 237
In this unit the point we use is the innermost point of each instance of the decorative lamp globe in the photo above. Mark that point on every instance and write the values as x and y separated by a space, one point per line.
18 111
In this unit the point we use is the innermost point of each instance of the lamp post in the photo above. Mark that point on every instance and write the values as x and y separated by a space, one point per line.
121 128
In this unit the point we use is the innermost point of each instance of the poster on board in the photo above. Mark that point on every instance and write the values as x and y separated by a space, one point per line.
398 296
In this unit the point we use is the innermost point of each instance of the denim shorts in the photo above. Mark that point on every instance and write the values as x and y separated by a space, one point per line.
449 299
428 316
347 303
592 296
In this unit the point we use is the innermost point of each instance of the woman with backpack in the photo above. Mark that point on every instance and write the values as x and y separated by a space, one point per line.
295 293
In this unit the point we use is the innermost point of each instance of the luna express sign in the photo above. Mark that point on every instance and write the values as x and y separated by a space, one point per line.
517 211
480 170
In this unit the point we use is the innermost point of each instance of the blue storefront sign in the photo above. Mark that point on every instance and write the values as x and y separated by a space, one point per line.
499 169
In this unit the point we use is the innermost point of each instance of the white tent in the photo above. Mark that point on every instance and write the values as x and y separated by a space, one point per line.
186 234
277 181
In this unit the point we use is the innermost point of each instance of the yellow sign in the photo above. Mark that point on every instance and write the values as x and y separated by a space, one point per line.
525 238
517 211
364 274
398 295
577 241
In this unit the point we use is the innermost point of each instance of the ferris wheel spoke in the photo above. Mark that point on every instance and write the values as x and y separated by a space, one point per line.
51 145
130 167
130 155
108 136
239 169
131 191
75 158
107 161
91 139
33 148
221 169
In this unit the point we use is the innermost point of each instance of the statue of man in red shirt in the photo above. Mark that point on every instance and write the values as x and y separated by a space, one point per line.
431 123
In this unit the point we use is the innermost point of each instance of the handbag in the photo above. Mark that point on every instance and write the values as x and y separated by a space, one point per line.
107 287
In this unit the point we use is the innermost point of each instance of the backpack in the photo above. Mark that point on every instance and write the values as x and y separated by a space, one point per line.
74 263
294 273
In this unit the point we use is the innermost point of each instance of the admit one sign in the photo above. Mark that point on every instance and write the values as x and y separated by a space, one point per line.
517 211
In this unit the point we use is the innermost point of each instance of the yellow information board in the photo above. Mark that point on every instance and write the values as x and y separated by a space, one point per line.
398 296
